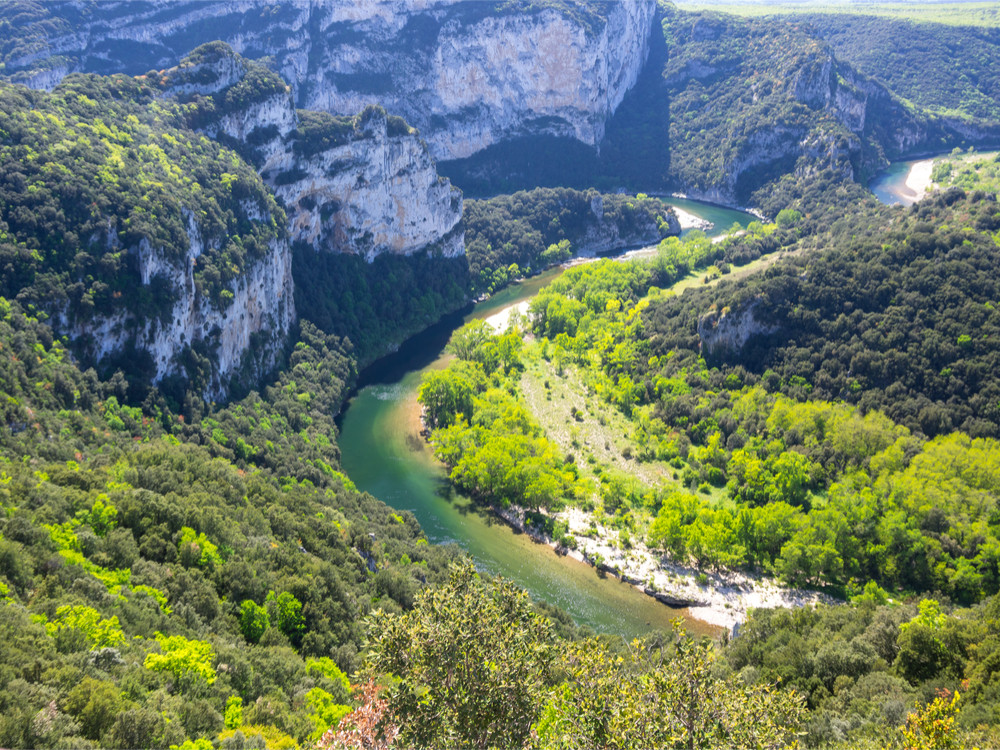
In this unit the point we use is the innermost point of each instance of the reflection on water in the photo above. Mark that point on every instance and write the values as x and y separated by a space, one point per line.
384 454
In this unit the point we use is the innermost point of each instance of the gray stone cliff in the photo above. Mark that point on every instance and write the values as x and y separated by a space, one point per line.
463 72
369 187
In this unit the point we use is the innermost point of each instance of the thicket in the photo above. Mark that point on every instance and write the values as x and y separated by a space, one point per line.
948 69
818 491
863 667
538 228
376 304
523 687
969 171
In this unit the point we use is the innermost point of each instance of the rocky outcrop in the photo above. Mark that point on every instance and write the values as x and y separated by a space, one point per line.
725 334
752 100
365 185
250 323
603 237
466 74
377 193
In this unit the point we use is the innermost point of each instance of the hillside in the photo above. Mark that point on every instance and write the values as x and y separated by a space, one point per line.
158 570
140 240
539 228
945 69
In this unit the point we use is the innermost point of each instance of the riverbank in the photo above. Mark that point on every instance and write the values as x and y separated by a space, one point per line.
721 599
382 452
905 182
688 220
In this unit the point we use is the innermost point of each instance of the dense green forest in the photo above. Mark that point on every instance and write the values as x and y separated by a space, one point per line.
816 489
99 165
531 230
376 305
946 69
159 569
774 456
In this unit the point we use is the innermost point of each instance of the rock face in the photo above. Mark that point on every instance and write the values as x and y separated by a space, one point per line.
603 237
365 185
752 100
248 330
726 333
377 193
465 73
474 77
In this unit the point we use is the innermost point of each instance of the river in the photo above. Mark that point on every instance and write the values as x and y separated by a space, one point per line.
384 454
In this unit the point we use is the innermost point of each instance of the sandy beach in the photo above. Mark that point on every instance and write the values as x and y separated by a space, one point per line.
918 181
688 220
498 321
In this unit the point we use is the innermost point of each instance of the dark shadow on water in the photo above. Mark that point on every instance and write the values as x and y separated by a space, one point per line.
416 353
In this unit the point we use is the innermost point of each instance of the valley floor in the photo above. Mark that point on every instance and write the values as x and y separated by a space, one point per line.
600 436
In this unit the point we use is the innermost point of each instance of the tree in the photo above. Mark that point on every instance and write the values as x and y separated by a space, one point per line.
933 726
287 613
445 394
661 695
254 620
188 662
469 663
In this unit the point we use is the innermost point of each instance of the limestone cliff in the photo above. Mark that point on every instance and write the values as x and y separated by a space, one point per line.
364 184
754 99
602 236
726 333
466 74
245 328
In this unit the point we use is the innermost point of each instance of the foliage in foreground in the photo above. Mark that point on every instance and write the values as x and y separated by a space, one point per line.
473 665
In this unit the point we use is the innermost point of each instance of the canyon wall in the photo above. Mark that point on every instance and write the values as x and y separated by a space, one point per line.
465 74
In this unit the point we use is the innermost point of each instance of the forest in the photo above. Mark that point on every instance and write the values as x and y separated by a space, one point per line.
529 231
103 155
789 452
171 578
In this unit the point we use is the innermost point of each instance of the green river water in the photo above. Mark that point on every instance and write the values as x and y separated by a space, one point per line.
384 454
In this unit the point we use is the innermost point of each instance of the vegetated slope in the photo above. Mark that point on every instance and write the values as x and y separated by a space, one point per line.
128 533
118 221
947 69
751 100
970 171
522 228
863 668
899 318
752 398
